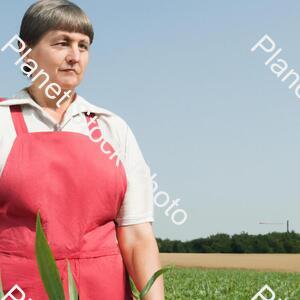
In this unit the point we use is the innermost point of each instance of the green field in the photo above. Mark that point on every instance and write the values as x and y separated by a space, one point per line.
194 284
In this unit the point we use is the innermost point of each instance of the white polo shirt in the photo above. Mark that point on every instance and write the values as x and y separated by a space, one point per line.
137 206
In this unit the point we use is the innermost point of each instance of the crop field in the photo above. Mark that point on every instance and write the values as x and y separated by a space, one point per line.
192 280
220 284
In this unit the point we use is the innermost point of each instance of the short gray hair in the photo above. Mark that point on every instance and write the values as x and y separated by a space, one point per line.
46 15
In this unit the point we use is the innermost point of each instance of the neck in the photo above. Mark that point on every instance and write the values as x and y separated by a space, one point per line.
39 96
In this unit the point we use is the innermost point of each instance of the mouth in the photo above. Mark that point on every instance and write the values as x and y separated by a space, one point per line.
69 71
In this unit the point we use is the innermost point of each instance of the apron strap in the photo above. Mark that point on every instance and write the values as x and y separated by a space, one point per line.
20 125
93 127
91 121
18 119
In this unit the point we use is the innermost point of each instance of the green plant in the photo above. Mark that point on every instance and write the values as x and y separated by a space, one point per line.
1 288
139 295
48 268
72 286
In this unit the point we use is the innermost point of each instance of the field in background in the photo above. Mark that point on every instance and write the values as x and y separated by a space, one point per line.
259 262
231 276
201 284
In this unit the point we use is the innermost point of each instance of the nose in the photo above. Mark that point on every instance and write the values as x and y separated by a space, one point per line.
73 55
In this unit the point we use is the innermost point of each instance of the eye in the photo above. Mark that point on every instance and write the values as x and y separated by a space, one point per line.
84 46
64 43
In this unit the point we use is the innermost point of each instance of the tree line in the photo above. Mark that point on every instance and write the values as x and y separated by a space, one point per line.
275 242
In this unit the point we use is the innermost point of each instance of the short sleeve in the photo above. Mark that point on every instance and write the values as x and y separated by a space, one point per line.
137 206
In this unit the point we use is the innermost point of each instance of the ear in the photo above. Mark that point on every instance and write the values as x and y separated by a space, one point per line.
26 69
23 52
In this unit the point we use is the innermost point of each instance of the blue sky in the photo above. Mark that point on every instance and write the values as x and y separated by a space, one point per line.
219 129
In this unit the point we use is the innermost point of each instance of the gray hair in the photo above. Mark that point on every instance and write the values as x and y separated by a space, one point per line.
46 15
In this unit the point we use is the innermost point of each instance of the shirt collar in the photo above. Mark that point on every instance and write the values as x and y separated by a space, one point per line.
79 105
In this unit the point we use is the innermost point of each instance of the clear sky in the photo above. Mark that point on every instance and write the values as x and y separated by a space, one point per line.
219 129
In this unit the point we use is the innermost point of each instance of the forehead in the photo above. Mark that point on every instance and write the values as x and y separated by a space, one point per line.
74 36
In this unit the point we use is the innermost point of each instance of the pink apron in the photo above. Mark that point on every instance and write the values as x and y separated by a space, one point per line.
79 191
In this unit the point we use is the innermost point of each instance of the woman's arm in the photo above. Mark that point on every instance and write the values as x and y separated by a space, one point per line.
140 254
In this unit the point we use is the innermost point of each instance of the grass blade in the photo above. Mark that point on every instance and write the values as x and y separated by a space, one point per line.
72 285
152 280
1 288
134 290
47 265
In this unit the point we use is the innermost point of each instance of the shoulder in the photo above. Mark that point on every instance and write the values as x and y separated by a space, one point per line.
19 98
4 108
6 119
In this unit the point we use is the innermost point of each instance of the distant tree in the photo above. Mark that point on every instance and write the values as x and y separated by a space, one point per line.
220 243
275 242
261 245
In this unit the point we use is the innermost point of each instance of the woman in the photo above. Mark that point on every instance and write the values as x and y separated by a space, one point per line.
77 163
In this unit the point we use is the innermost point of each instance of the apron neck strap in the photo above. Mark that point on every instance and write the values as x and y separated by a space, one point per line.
18 119
91 120
20 125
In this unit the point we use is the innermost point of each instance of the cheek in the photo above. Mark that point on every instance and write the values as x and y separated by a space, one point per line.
85 61
49 61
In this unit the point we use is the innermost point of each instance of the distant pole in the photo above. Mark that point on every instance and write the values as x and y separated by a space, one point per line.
287 226
276 223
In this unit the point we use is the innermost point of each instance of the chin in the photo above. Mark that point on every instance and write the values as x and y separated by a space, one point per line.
67 82
68 85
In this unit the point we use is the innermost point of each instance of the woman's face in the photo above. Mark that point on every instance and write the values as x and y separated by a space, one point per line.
63 56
